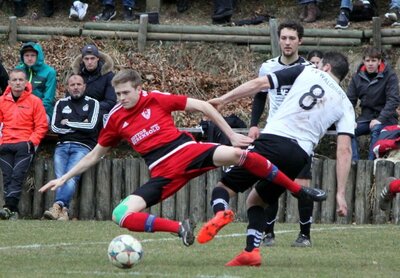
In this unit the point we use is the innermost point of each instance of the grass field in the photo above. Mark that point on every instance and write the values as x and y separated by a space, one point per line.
78 249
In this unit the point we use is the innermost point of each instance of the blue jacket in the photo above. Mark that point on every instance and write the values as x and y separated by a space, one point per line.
42 77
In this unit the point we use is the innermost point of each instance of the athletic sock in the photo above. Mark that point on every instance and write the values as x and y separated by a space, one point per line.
305 215
270 212
219 199
145 222
255 228
394 186
263 168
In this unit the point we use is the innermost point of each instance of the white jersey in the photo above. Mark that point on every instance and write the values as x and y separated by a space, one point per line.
314 103
277 95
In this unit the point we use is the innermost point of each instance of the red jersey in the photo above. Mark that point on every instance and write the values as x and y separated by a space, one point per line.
148 126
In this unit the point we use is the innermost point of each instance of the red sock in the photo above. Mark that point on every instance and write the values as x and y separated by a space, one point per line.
263 168
394 186
145 222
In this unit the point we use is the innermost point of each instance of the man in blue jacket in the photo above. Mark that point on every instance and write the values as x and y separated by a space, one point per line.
42 76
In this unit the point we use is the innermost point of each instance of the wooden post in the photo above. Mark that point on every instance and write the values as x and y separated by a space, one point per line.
103 190
241 213
376 32
37 203
182 203
142 33
292 210
328 210
132 176
316 181
50 194
117 181
12 34
197 206
384 168
349 196
168 208
87 202
273 26
25 203
363 185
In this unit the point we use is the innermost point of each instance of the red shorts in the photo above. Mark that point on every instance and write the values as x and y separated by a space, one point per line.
174 172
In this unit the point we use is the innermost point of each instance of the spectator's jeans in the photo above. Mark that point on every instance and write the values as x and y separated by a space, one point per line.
126 3
66 156
15 160
363 129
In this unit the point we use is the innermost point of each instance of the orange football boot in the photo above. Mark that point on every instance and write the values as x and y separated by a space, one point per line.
245 258
211 228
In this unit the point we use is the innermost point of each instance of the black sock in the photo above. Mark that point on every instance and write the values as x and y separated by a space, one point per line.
271 211
305 214
219 199
255 228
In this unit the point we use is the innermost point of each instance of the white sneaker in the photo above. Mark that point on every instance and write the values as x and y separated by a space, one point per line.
81 8
73 13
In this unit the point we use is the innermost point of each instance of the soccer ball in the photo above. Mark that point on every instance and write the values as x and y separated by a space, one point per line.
125 251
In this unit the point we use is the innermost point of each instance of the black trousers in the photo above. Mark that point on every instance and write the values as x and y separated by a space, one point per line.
15 160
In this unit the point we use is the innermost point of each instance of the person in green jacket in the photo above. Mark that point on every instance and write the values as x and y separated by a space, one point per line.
39 74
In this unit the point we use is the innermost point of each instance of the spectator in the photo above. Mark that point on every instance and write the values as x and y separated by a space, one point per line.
3 79
315 57
393 15
358 10
75 120
39 74
21 132
223 11
20 7
109 11
309 11
96 69
182 5
375 84
78 10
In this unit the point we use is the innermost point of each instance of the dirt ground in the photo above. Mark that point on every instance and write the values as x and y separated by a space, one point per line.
199 12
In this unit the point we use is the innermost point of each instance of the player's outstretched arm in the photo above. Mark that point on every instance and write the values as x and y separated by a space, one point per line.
343 156
247 89
85 163
237 140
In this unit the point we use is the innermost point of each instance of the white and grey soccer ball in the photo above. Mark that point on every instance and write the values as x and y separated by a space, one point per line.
125 251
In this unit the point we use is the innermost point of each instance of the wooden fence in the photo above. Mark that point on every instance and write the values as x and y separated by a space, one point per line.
258 39
105 185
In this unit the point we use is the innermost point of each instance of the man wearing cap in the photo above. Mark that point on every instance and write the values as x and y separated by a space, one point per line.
39 74
96 69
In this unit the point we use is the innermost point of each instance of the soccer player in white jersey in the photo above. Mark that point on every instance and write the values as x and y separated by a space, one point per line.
314 102
290 35
144 120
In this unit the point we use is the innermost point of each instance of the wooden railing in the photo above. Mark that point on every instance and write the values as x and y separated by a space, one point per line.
258 39
105 185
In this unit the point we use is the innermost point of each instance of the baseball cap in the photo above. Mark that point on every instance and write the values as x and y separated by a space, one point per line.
90 49
27 47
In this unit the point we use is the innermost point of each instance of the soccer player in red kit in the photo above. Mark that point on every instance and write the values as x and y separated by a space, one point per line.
173 157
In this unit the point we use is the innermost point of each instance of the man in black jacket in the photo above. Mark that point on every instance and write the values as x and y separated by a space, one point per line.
96 68
376 85
75 120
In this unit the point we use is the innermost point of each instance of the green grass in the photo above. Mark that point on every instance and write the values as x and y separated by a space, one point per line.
78 249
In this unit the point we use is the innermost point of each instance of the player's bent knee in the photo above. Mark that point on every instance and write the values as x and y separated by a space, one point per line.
120 211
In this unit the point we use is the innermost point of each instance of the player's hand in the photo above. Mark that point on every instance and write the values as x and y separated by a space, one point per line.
254 132
53 185
240 140
218 103
341 205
